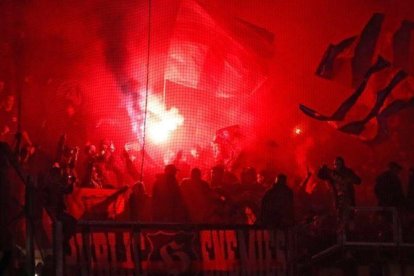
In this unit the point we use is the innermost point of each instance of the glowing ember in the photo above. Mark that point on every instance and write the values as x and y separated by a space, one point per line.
298 131
194 153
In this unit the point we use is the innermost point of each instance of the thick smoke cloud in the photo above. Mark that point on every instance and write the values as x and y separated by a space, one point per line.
114 39
100 49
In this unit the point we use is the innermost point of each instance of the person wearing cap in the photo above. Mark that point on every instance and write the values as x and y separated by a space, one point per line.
388 187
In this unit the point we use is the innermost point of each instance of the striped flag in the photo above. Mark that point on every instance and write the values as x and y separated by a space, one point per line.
345 107
378 37
364 53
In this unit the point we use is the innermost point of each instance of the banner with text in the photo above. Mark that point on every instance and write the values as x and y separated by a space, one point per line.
160 252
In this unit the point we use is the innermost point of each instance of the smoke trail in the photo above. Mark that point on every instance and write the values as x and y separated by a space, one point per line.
114 33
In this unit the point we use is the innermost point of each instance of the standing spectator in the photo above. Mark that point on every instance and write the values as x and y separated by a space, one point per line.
250 194
108 165
197 196
265 179
167 202
277 205
388 187
342 180
139 203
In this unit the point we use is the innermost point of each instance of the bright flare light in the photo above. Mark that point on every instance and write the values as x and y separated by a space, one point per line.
160 121
298 131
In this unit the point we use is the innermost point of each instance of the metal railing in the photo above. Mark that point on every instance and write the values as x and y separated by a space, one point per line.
388 219
359 232
369 227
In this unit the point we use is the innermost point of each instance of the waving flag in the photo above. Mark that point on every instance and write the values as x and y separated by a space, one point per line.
344 108
382 119
403 48
358 126
373 42
212 51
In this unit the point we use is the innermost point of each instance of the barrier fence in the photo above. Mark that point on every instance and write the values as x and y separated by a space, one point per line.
131 248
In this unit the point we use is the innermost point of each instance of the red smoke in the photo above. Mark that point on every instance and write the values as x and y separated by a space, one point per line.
101 46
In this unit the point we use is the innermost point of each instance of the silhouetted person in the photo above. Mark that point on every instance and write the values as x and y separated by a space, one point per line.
277 205
248 177
6 232
167 202
249 194
303 198
223 180
57 187
198 196
108 165
249 183
234 195
388 187
342 180
93 177
265 178
139 203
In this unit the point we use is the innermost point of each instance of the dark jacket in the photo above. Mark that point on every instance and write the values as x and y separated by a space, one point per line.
342 183
167 202
277 207
388 190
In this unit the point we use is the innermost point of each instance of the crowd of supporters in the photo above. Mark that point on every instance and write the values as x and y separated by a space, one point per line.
214 196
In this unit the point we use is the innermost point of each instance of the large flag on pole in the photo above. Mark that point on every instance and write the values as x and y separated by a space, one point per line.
216 52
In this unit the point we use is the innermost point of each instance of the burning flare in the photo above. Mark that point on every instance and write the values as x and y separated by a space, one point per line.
160 121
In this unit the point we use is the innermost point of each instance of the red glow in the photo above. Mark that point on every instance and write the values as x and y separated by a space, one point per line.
211 70
161 122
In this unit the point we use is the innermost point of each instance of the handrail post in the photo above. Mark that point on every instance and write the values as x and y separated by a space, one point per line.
290 251
136 248
395 226
30 258
58 247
